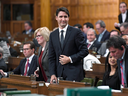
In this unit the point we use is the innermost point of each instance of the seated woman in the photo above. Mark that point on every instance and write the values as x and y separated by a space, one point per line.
111 77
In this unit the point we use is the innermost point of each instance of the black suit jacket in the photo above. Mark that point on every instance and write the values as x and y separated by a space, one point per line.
96 44
13 52
120 19
75 47
32 31
33 66
45 63
126 66
3 65
105 36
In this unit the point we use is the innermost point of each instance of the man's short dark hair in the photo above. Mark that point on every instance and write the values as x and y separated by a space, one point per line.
114 31
116 42
64 9
124 3
77 25
29 23
32 45
88 24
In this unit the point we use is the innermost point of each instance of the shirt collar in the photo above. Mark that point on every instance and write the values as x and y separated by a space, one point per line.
90 42
30 58
123 55
65 28
103 32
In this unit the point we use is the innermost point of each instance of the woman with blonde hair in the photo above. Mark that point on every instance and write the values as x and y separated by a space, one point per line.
42 36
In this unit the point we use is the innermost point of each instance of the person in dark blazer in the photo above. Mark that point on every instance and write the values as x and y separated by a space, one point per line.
118 49
26 65
92 43
3 65
103 51
123 17
111 76
67 48
103 33
28 28
42 36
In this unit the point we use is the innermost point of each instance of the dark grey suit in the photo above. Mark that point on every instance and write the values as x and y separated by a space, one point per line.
45 63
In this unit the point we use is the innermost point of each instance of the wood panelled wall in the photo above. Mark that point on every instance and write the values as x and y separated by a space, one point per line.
82 11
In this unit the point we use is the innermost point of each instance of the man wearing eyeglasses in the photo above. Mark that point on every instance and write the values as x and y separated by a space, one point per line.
123 17
27 65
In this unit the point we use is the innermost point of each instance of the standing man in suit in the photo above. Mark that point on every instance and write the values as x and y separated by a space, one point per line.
27 65
123 17
92 43
67 48
28 28
117 48
103 33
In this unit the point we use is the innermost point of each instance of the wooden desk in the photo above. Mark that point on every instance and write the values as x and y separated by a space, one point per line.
24 83
98 71
119 94
57 89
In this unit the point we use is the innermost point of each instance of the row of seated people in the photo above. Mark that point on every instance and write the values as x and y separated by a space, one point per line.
70 70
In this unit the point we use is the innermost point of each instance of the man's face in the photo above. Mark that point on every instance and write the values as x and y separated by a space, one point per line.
123 30
62 19
116 53
123 7
91 36
27 51
125 37
85 29
113 33
99 28
26 26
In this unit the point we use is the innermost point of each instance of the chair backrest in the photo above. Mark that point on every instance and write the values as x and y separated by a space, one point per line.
88 81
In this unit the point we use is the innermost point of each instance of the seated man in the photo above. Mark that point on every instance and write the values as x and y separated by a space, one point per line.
28 28
92 43
3 65
27 65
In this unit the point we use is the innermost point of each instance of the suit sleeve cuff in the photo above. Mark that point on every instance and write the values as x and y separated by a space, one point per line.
70 59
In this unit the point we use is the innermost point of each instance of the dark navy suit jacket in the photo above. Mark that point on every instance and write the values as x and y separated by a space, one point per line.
75 47
105 36
33 66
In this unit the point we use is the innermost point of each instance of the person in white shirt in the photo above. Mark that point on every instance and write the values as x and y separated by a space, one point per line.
92 42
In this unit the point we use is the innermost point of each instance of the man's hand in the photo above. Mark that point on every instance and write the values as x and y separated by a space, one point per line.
2 72
64 59
53 77
116 25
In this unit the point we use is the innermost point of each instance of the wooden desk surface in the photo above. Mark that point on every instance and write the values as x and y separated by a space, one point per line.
35 87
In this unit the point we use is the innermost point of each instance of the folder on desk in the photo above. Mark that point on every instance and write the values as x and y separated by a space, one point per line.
87 91
7 89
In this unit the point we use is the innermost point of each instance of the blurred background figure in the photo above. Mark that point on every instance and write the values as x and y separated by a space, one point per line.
3 65
123 17
42 36
28 28
125 37
111 77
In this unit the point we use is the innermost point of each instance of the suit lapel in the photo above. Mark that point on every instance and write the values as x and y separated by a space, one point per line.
31 65
67 35
45 50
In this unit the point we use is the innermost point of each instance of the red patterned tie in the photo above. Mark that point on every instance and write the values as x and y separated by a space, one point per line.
88 45
122 75
26 67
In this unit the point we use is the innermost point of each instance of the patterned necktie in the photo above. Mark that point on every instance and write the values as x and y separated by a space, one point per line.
62 38
99 38
26 67
88 45
122 75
